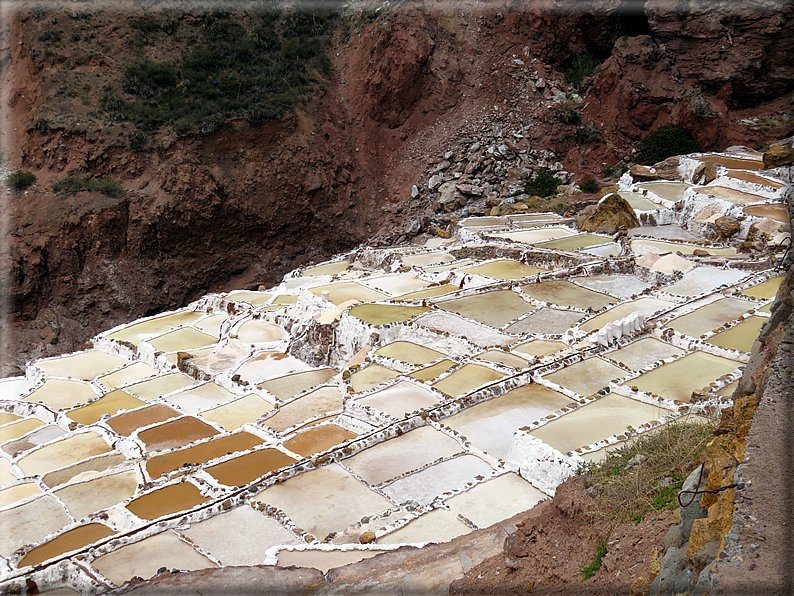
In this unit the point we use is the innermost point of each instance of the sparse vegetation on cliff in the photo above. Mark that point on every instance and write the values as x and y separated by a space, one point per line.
666 141
19 180
72 184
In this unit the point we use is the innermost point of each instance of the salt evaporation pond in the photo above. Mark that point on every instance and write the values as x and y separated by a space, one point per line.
128 457
776 211
671 191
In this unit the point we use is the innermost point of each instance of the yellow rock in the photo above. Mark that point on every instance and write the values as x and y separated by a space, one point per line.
701 535
655 562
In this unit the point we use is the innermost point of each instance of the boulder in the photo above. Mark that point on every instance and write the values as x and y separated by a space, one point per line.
705 173
639 172
693 510
724 227
434 182
778 155
701 534
470 189
668 169
612 212
608 190
449 199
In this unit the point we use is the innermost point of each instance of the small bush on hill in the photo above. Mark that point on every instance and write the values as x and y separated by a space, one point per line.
589 186
19 180
583 67
72 184
542 185
666 141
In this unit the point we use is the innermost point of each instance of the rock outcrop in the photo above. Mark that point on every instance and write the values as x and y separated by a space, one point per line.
612 214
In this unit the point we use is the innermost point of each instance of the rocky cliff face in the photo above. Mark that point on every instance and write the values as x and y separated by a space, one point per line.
241 204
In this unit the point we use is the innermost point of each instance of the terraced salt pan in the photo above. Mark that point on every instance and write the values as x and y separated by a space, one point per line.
610 249
564 293
253 298
477 222
211 324
108 404
144 558
502 357
607 416
490 425
737 197
166 501
182 340
732 162
431 372
18 428
753 178
176 433
639 202
740 337
495 500
406 351
6 417
371 376
285 387
324 500
318 439
644 352
84 498
6 475
586 377
63 453
241 536
400 283
322 401
765 290
343 291
536 234
71 540
671 191
332 268
449 266
381 314
234 414
575 242
466 379
129 422
31 521
128 374
708 317
401 399
84 469
503 269
430 292
42 435
243 469
84 365
480 335
201 452
439 525
62 395
704 279
678 379
540 347
646 307
641 246
423 486
427 259
546 321
204 396
775 211
268 365
410 451
253 332
495 308
622 286
17 492
145 330
151 389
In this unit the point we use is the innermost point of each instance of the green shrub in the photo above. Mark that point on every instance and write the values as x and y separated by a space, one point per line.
568 114
542 185
588 134
72 184
589 186
583 67
19 180
666 141
609 171
595 565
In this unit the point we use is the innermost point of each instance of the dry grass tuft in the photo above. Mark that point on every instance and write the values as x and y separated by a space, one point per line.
646 474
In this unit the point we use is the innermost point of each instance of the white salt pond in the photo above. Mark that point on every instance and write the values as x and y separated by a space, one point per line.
644 245
62 395
324 500
495 500
490 425
371 376
704 279
546 320
646 307
540 347
575 242
466 379
677 380
607 416
564 293
409 352
671 191
285 387
622 286
319 402
408 452
438 525
531 236
586 377
401 399
740 337
343 291
477 333
234 414
503 269
84 365
710 316
400 283
639 202
644 352
423 486
495 308
207 395
145 330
